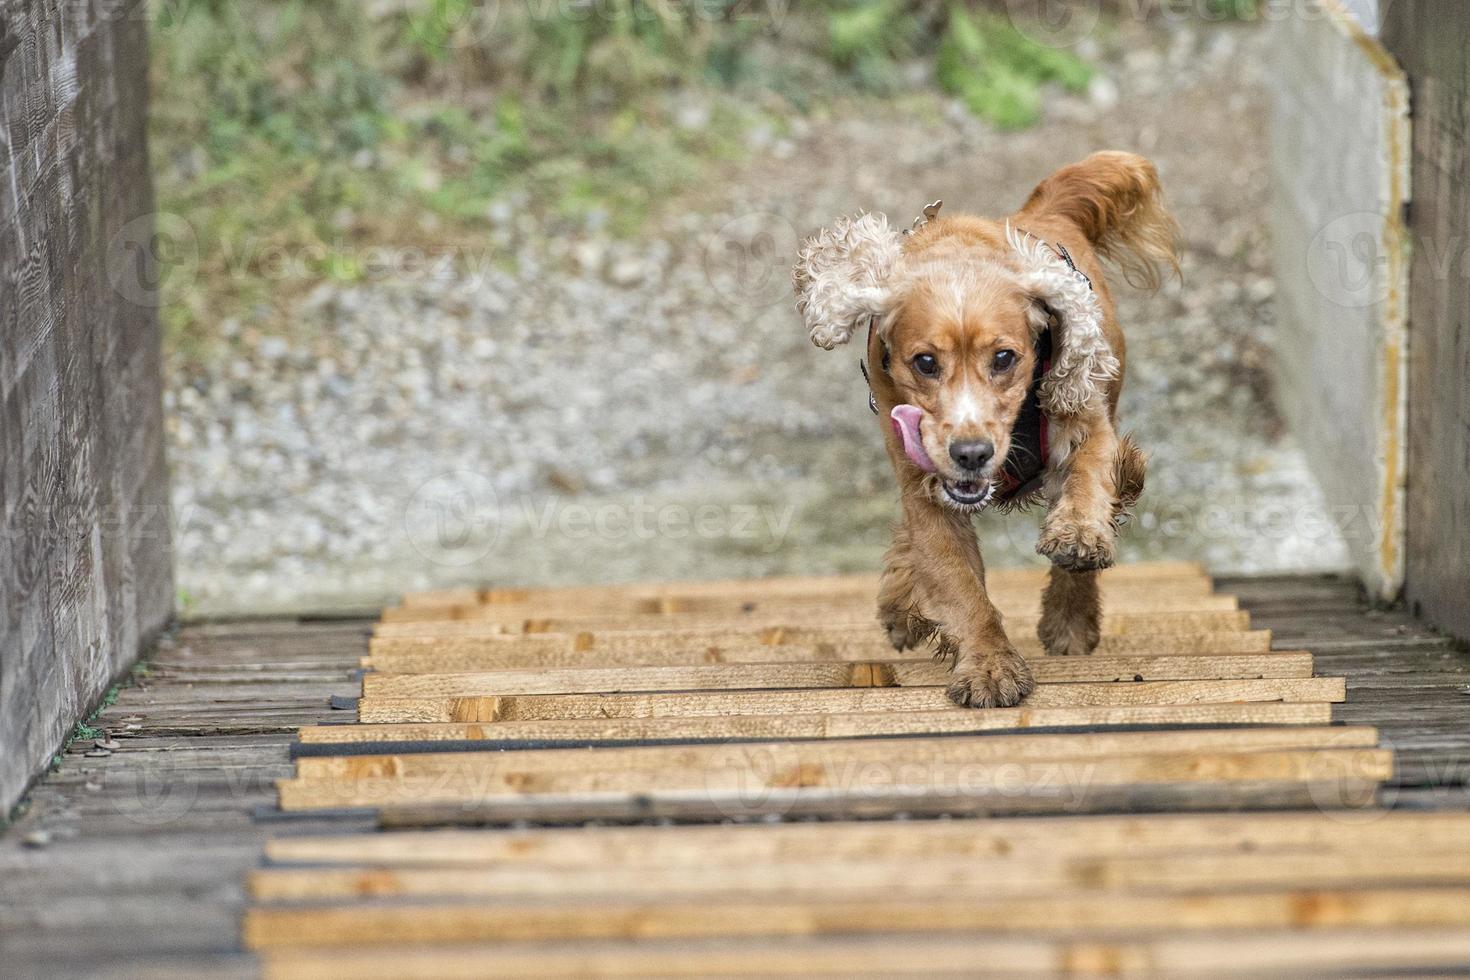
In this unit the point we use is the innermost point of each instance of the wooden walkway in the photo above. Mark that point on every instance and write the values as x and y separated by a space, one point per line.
743 778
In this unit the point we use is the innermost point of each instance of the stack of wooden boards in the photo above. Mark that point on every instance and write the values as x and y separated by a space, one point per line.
778 704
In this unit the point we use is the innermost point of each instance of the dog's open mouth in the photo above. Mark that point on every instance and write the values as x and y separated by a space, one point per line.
968 493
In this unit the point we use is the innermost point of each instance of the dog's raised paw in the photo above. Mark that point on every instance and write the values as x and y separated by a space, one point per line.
996 682
1078 546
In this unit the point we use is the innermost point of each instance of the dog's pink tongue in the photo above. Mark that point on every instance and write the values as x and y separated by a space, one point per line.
906 419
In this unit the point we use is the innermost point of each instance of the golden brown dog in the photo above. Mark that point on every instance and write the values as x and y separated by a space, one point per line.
967 320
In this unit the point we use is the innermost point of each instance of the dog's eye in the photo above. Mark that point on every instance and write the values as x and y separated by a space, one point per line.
927 365
1004 360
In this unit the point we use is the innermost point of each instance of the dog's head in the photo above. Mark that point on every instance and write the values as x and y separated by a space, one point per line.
959 311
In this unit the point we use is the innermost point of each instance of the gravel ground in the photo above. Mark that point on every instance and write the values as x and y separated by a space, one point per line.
560 409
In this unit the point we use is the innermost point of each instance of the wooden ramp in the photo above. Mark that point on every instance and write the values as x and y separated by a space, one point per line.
775 790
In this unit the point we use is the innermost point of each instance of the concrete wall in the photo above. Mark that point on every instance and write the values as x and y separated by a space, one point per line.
1341 181
1431 38
85 575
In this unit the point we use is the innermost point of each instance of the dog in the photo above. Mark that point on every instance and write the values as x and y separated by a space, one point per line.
995 362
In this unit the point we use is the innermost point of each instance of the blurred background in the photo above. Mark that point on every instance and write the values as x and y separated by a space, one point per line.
466 291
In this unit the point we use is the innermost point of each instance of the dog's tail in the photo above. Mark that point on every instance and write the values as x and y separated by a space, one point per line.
1115 200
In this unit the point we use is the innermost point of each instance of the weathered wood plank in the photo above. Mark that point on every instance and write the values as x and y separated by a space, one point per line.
85 559
739 844
463 715
879 876
535 707
368 925
439 725
448 655
1263 953
912 672
532 620
771 759
777 585
1430 38
808 629
1144 594
1059 785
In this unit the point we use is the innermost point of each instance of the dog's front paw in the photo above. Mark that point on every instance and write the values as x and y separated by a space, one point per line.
1078 546
1000 680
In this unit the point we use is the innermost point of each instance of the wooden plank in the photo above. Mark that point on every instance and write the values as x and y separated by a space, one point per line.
1304 909
777 585
1263 953
1141 594
1336 792
86 576
912 672
536 707
857 840
734 595
457 718
1028 785
531 618
844 957
782 757
1429 37
616 650
802 630
877 876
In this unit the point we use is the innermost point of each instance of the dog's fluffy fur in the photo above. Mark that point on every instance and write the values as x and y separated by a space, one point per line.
974 295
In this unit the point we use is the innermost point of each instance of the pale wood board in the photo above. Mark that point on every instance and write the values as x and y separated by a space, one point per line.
912 672
1137 594
430 654
1058 784
1161 834
447 719
1012 606
1268 952
878 876
545 707
805 629
772 760
781 585
1245 911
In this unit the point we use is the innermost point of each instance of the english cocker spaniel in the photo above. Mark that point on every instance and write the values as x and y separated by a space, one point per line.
995 362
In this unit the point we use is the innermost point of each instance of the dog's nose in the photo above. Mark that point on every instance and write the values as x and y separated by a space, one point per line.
973 454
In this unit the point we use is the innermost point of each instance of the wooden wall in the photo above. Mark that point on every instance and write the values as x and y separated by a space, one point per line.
1431 39
85 577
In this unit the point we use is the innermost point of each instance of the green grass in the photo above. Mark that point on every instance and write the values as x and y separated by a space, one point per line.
291 134
84 730
998 71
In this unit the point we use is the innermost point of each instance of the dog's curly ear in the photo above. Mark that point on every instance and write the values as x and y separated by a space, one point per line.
843 276
1083 362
